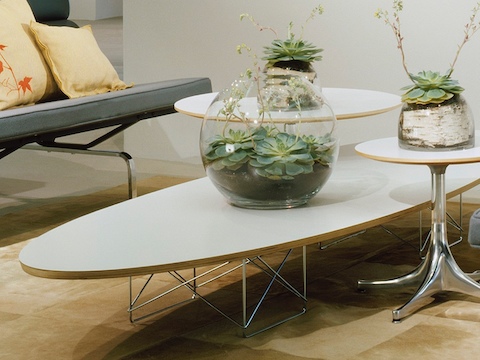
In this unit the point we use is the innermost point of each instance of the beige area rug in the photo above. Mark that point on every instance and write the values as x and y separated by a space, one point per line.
87 319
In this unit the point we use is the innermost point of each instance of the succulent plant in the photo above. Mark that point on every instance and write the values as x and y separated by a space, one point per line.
430 87
233 149
282 157
273 154
291 49
321 148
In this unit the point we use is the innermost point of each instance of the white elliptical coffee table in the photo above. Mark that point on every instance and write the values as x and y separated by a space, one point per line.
191 225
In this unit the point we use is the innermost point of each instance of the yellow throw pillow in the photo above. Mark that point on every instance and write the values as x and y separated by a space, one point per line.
25 78
77 63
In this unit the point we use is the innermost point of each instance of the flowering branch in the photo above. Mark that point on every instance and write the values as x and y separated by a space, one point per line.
318 10
395 26
291 49
257 25
428 86
470 29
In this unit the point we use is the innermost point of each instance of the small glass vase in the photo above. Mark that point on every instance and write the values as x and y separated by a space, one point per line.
280 69
437 127
269 142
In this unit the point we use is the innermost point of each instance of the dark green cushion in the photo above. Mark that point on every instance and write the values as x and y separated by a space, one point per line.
65 22
50 10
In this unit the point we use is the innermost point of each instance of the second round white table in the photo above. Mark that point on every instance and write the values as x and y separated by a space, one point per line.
346 103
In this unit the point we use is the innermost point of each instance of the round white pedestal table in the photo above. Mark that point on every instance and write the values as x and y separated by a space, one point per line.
439 270
346 103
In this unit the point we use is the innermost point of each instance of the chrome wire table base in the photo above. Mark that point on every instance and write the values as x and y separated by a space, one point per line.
439 270
212 274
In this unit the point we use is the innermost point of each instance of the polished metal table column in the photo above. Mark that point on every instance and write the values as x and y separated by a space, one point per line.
439 270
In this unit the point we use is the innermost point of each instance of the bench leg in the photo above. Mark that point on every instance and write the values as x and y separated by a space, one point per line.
132 175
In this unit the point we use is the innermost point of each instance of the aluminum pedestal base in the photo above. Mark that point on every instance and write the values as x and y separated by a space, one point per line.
438 271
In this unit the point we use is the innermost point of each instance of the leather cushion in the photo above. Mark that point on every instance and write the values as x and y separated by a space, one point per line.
70 116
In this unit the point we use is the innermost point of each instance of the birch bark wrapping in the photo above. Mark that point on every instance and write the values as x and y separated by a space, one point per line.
446 126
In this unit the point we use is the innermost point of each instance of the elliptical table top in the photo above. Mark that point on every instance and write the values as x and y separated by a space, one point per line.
191 224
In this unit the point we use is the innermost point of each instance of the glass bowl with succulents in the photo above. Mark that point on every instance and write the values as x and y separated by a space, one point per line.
269 145
434 115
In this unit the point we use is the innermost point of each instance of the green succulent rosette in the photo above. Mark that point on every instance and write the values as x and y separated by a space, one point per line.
232 149
290 50
430 87
273 154
282 157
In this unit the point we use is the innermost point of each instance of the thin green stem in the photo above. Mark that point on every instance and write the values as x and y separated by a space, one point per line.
470 29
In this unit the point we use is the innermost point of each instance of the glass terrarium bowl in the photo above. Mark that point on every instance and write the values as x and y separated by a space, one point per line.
269 144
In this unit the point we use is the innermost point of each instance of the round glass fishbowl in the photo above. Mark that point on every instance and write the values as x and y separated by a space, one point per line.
269 143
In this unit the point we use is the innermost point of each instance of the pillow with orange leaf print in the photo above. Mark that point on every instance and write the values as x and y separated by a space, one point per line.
25 78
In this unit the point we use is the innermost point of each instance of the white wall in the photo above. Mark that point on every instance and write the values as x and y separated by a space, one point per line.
166 39
95 9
